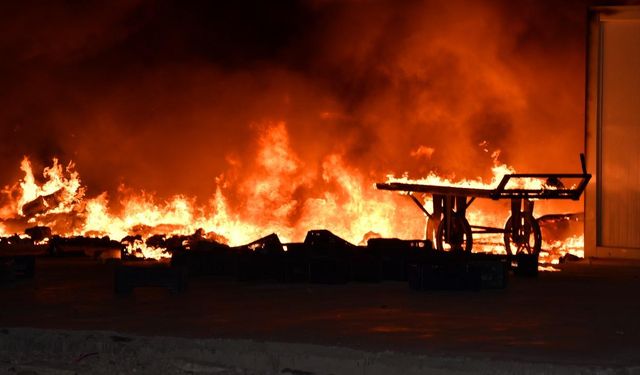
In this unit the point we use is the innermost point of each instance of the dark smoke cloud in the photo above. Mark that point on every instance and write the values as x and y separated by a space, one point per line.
161 94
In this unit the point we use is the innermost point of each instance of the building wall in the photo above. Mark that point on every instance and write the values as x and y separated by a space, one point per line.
612 213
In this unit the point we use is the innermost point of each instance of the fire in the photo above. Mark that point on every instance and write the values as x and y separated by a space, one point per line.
279 194
142 215
498 170
139 249
573 245
479 213
59 193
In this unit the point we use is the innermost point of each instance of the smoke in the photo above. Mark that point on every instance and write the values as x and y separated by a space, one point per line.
166 96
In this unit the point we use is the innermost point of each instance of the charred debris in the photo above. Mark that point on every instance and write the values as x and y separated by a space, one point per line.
322 257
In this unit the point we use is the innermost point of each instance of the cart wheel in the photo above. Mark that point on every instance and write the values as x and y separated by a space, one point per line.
528 238
460 237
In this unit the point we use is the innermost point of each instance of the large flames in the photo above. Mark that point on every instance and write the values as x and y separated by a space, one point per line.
279 194
58 193
497 171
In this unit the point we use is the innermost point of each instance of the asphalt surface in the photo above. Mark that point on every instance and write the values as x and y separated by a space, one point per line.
585 315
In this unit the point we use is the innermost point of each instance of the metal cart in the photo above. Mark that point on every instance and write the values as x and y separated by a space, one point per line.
521 232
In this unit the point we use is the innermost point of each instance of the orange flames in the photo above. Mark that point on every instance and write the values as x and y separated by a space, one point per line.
280 194
498 170
573 245
64 191
140 249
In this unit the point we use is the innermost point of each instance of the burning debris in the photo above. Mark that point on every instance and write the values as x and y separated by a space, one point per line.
68 213
60 192
144 241
390 70
322 258
39 234
94 247
564 239
21 245
43 203
281 197
217 239
167 260
136 247
447 224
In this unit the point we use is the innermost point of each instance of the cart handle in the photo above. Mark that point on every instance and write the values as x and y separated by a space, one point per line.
502 192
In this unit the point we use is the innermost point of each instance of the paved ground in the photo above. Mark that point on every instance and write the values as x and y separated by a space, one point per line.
584 316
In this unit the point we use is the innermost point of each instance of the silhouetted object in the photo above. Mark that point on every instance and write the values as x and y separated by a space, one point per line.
459 271
177 243
260 259
38 233
444 273
82 246
553 182
522 235
149 273
207 258
328 257
16 246
525 264
568 258
157 240
365 265
130 240
324 258
295 263
395 255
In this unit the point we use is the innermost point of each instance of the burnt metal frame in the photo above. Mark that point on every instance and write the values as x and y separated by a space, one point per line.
573 193
450 202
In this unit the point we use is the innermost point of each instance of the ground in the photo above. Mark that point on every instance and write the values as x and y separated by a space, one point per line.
69 320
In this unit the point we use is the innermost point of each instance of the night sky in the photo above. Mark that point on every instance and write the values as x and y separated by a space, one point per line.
162 95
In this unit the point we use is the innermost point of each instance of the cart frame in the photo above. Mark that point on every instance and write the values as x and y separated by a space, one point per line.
521 231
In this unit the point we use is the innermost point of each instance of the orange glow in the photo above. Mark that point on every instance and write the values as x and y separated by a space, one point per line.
141 250
279 195
67 189
498 171
573 245
497 215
